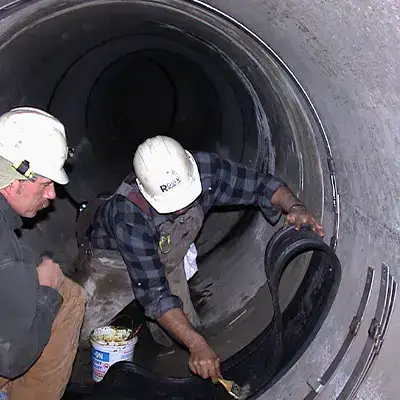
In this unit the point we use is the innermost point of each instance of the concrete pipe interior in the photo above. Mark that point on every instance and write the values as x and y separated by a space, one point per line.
117 72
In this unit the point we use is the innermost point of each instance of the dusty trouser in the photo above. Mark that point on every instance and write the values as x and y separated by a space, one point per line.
48 377
108 285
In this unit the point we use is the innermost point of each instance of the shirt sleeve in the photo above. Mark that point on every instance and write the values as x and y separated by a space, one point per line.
138 247
235 184
27 313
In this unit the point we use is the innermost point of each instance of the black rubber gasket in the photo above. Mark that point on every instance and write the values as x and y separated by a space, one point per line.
262 361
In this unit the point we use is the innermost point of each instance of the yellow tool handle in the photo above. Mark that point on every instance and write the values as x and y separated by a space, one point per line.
226 384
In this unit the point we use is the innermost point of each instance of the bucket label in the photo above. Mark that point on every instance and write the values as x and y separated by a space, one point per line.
100 355
102 361
105 356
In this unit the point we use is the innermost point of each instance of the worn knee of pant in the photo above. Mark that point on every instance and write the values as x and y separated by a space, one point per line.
48 377
73 296
74 304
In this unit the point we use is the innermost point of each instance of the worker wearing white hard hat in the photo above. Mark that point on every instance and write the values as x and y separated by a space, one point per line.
153 220
167 175
34 142
41 311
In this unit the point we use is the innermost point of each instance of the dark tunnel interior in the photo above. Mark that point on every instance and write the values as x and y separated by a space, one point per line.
116 74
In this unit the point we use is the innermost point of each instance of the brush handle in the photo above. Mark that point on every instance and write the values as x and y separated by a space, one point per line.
226 384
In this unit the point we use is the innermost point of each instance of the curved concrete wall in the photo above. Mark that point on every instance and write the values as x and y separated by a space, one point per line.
347 57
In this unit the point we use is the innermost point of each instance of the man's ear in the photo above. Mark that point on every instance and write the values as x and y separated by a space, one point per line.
15 188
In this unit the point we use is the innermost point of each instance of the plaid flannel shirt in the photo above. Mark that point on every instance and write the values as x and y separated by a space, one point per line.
121 225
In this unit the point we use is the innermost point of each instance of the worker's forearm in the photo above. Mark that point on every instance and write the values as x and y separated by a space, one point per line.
284 198
176 322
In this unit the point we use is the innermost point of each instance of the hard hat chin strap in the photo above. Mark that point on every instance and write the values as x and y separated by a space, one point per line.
23 168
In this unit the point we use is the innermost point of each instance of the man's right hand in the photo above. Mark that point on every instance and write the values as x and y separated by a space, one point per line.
204 362
50 274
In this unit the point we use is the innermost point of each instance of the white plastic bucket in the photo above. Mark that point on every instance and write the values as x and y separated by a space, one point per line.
109 345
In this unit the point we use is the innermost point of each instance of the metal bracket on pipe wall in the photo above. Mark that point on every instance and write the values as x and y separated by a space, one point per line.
376 335
353 330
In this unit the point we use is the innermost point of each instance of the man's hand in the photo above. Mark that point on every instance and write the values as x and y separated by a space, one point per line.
299 215
50 274
204 362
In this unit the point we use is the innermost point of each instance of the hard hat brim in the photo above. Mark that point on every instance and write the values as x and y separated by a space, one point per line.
59 177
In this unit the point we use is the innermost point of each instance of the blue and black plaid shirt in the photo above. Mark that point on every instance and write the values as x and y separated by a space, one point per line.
121 225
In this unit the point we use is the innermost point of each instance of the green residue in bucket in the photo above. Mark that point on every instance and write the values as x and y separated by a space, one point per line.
111 335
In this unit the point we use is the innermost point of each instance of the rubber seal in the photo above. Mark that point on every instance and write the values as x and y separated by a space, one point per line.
259 361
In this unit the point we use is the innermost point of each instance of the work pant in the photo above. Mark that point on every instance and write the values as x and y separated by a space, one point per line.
48 377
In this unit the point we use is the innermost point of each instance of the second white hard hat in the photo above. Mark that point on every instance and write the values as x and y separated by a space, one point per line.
32 142
167 174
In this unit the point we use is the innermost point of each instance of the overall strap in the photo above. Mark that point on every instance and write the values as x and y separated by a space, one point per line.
133 195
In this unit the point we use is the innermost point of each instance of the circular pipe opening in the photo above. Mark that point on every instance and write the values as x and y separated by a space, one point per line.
116 72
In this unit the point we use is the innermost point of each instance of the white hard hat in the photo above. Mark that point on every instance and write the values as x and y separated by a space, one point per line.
32 142
167 174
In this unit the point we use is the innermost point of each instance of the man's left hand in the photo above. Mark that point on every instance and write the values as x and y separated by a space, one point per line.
299 216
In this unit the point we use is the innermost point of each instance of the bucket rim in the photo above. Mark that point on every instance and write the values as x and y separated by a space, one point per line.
133 339
94 340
